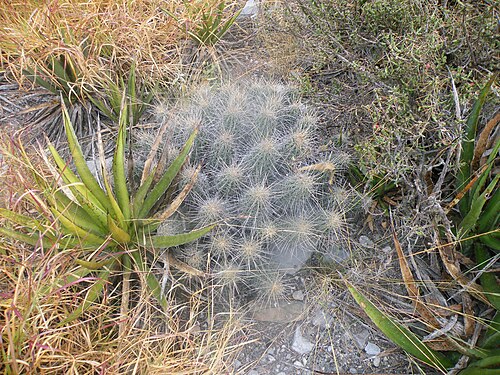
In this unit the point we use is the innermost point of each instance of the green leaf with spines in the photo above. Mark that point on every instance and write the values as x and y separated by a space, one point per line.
471 219
85 197
175 240
140 195
481 181
468 144
22 220
84 235
399 334
164 183
30 239
75 213
81 166
488 279
120 179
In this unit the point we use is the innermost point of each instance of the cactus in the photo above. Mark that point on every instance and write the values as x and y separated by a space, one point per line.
276 197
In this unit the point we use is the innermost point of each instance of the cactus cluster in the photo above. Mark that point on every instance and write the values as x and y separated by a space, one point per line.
263 178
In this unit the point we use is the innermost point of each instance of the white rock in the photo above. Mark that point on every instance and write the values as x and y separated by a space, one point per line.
320 319
361 338
300 344
376 361
251 8
298 295
236 364
372 349
366 242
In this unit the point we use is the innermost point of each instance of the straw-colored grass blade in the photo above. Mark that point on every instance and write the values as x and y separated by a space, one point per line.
94 292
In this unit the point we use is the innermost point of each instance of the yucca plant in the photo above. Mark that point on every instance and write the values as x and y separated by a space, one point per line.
115 226
109 102
477 228
212 25
60 75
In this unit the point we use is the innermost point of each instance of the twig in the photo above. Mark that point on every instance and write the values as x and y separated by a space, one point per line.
458 111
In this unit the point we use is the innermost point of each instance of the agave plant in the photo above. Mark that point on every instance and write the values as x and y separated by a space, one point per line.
109 102
115 225
477 228
212 25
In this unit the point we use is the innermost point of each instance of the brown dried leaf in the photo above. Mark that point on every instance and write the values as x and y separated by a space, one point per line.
411 286
449 259
464 191
441 344
172 208
482 141
469 322
389 201
181 266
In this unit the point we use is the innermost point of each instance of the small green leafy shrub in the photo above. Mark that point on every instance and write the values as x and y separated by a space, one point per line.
401 57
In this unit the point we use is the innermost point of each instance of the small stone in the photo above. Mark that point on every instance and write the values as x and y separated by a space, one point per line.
270 358
352 370
376 361
281 373
366 242
320 319
372 349
300 344
298 364
253 372
284 313
361 338
298 295
236 364
196 329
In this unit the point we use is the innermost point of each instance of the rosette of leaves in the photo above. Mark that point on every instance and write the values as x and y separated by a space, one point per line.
114 224
477 227
212 23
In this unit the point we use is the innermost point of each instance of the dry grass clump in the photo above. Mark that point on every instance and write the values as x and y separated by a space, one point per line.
100 35
36 300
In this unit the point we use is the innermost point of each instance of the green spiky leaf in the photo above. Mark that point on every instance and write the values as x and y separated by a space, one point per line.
399 334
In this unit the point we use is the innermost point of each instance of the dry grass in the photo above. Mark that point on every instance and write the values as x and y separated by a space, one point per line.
100 35
190 337
145 341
